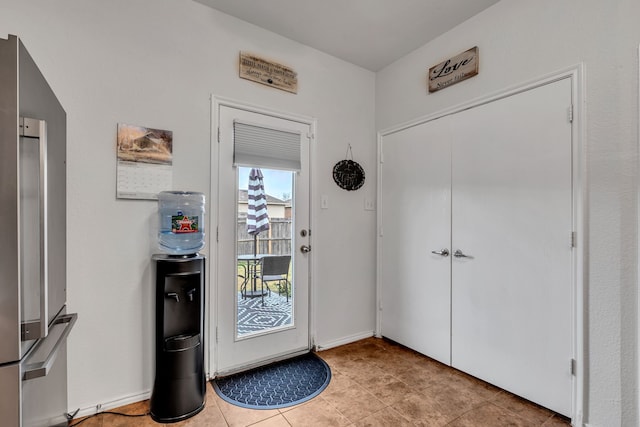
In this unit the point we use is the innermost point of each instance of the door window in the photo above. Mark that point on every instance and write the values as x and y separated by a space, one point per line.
265 297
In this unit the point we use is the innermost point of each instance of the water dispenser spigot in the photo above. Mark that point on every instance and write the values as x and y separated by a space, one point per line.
173 295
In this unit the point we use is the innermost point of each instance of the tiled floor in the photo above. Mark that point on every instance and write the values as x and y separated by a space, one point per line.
374 383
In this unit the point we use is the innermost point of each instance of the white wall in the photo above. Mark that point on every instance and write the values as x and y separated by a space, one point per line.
155 63
518 42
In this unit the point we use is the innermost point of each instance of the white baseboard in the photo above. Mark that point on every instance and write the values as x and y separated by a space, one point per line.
342 341
107 406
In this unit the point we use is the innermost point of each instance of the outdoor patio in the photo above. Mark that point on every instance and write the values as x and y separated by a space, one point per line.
254 317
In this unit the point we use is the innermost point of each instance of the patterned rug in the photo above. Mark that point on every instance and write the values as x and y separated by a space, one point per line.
255 317
278 385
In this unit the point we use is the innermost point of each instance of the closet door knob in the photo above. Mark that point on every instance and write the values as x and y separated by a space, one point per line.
459 254
444 252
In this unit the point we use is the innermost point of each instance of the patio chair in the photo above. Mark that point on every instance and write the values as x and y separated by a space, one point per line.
276 269
245 279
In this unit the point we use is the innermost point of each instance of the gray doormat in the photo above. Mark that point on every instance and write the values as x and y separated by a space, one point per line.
278 385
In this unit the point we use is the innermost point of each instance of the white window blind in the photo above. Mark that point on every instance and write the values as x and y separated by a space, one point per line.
261 146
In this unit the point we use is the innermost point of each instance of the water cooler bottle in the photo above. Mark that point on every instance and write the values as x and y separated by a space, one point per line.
179 274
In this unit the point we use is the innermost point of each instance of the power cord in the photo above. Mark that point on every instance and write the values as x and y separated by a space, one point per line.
110 413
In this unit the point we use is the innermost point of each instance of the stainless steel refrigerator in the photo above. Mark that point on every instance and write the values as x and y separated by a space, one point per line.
34 324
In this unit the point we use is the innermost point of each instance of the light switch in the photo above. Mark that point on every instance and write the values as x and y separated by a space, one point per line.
324 202
369 204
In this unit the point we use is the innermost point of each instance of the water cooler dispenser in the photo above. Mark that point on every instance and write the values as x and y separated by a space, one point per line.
179 274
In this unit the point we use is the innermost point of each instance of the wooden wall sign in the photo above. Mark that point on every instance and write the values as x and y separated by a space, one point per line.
453 70
268 73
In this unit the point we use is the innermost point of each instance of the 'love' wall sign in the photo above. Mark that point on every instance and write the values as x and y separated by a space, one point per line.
454 70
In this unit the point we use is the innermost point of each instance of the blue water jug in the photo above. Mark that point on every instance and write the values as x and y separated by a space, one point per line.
181 228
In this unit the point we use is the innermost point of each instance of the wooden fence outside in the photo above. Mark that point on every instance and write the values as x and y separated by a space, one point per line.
275 241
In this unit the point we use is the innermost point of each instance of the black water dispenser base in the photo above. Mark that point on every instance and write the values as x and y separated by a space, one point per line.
179 387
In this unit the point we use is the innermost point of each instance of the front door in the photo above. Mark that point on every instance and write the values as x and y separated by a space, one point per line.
260 320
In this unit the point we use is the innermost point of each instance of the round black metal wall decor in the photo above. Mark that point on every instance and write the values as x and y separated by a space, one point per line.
348 174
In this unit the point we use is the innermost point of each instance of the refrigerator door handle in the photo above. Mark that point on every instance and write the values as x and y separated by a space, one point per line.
41 369
37 129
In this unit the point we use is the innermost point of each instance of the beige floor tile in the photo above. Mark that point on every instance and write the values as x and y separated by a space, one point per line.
355 402
210 416
489 414
330 356
336 353
289 408
523 408
365 349
387 388
347 365
384 418
277 421
339 381
395 362
438 404
404 352
316 413
363 371
423 375
385 358
462 381
239 417
557 421
426 411
451 395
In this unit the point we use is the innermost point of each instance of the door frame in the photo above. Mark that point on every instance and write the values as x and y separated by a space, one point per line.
216 103
579 215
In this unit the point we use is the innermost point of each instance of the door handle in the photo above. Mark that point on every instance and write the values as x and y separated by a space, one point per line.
459 254
444 252
305 249
41 369
37 129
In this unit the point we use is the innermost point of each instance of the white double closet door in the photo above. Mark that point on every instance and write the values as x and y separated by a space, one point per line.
495 183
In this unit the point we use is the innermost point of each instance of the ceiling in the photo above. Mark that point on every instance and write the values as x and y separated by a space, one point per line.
368 33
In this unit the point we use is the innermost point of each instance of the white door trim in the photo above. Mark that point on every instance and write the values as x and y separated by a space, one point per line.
638 266
216 103
579 203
